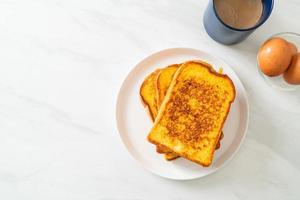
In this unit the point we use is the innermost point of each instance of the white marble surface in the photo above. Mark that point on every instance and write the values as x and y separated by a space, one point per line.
61 65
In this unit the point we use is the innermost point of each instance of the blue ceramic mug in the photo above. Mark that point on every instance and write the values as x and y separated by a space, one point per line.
225 34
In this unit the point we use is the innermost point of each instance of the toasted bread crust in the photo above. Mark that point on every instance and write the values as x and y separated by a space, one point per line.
149 95
164 104
163 81
171 156
149 100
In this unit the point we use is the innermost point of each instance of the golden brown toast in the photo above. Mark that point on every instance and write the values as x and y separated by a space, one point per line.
160 79
192 114
164 79
170 155
148 93
163 82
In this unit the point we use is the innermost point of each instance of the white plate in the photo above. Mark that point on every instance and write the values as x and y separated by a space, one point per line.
134 123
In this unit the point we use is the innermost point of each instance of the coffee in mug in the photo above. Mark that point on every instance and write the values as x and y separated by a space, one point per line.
239 14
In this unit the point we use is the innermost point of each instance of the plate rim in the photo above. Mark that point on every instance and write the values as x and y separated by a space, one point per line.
117 111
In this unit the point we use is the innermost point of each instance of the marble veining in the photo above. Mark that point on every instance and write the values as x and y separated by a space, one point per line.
62 63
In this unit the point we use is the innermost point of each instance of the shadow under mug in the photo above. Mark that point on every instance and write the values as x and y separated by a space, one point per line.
225 34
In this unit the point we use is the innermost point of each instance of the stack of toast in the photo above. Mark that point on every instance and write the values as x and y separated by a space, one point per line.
189 104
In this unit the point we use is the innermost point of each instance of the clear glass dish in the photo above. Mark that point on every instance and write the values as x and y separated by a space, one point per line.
278 82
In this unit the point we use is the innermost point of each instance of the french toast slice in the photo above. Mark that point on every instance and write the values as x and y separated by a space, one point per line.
193 112
160 79
164 79
148 93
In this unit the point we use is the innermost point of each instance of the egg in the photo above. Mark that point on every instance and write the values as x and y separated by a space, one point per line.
274 56
293 48
292 74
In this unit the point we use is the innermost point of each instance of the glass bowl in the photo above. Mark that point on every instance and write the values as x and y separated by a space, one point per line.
278 82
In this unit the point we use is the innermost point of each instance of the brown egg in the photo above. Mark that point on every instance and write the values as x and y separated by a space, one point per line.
293 48
292 74
274 56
